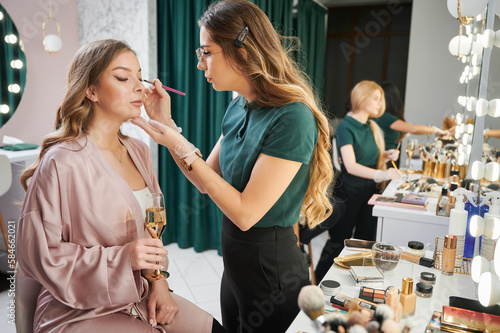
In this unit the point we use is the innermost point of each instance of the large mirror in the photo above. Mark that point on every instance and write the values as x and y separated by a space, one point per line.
12 67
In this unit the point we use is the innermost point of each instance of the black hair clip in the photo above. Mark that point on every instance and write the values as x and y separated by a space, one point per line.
241 37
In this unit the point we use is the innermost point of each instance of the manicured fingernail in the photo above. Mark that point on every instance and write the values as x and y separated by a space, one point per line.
161 267
164 258
151 322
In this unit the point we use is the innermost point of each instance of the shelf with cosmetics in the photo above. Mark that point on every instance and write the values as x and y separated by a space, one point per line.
416 294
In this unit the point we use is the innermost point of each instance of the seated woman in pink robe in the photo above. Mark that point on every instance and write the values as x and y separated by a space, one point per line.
81 233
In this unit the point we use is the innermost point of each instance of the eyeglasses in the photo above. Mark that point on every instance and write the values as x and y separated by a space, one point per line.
201 54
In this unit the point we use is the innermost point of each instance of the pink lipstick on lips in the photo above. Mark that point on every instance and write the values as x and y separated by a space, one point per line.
168 88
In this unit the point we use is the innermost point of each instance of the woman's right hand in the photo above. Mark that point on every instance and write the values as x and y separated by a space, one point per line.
157 103
383 175
145 253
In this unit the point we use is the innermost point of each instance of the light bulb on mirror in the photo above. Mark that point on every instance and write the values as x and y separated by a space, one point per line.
470 129
494 107
16 64
459 117
461 100
4 108
481 107
471 103
479 266
476 227
492 227
476 59
496 259
492 171
477 173
488 289
11 39
488 39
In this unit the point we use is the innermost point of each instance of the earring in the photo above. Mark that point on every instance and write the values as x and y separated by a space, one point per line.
93 98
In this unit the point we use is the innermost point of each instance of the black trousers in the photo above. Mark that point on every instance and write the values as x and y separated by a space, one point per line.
357 218
264 271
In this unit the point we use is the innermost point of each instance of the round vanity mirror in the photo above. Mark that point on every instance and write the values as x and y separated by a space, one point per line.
12 67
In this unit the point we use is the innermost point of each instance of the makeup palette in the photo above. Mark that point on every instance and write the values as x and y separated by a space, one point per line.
372 295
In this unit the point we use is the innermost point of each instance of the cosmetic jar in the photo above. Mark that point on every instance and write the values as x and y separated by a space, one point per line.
330 287
428 277
416 247
423 290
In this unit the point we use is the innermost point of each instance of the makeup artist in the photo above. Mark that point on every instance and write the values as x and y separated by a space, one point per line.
393 123
362 153
81 240
270 163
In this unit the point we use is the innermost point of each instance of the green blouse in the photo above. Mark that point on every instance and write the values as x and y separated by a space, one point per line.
390 136
360 136
288 132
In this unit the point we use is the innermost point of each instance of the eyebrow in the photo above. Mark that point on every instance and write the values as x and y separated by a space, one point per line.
205 45
124 68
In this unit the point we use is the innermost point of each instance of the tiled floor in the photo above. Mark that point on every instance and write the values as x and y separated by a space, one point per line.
195 276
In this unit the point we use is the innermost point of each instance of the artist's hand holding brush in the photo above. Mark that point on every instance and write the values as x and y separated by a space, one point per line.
156 101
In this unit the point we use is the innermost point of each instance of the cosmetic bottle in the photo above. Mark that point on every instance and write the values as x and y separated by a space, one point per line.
473 207
391 298
449 253
458 220
408 298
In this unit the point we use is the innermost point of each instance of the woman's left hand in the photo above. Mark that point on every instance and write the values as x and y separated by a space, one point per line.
391 154
161 307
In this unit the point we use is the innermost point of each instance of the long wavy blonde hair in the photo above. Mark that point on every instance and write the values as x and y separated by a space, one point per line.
74 114
277 81
360 95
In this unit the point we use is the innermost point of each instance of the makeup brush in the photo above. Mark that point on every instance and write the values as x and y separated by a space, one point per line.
168 88
312 303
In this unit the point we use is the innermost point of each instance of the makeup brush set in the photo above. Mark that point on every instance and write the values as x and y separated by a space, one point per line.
357 320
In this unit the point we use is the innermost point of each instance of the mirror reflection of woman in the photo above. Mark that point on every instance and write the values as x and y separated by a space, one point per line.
271 162
393 122
81 238
361 147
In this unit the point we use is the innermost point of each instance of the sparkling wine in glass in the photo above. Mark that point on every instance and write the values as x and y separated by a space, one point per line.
155 222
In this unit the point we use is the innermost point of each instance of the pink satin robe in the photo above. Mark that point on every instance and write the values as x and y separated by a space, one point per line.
77 221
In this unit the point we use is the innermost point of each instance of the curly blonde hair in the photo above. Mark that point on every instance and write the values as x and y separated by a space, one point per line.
74 114
276 80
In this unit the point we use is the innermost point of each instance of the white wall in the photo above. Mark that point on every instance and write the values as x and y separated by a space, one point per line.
432 85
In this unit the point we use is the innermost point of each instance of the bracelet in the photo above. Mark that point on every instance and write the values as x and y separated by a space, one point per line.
435 129
190 158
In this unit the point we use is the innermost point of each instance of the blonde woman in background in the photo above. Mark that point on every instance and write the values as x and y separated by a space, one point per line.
362 152
271 163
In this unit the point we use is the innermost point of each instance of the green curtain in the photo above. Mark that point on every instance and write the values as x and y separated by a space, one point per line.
193 219
280 13
9 75
311 30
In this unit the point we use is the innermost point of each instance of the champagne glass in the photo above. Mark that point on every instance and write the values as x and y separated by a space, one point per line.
155 223
411 145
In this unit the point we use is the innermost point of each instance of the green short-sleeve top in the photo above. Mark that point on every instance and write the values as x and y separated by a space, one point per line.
390 136
360 136
289 132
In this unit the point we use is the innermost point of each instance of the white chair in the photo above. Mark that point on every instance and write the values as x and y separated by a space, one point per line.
335 155
27 295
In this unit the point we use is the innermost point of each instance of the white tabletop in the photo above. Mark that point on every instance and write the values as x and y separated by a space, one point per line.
22 155
446 286
427 216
